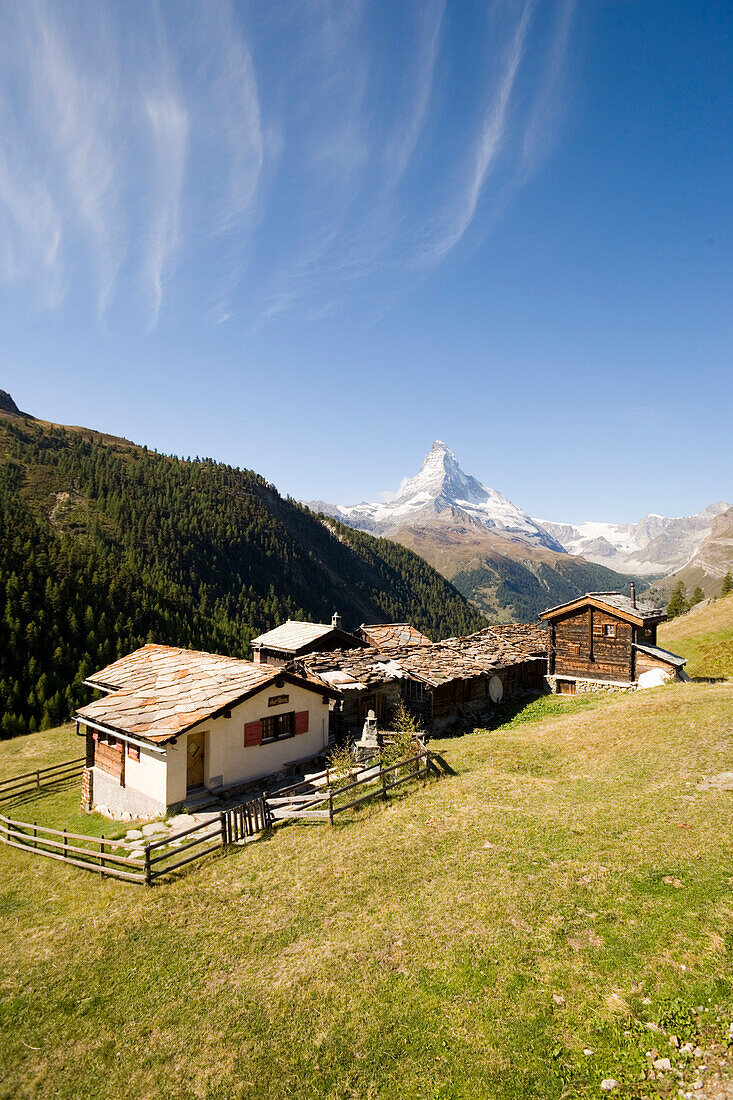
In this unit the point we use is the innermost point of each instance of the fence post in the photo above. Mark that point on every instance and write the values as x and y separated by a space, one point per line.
101 855
38 779
147 871
64 843
330 806
384 781
35 834
223 827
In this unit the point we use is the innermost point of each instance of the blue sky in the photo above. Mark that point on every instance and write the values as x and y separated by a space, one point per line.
310 237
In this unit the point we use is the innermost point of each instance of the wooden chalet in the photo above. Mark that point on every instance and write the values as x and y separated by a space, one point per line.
607 641
440 683
293 639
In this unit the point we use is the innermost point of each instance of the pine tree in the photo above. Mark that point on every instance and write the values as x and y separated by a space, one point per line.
678 604
727 584
697 596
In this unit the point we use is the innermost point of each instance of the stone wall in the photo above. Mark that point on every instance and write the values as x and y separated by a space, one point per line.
589 687
87 789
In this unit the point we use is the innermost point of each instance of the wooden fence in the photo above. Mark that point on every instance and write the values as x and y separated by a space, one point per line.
93 853
111 858
27 782
160 858
417 767
297 802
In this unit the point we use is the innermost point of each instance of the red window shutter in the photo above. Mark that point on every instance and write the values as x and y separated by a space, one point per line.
301 721
252 733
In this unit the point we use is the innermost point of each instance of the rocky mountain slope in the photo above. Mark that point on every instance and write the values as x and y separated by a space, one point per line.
711 561
654 545
104 545
506 563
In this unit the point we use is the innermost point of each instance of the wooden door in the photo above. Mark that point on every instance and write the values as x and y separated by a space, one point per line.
195 760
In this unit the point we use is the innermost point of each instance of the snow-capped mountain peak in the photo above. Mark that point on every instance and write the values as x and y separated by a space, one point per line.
655 544
442 485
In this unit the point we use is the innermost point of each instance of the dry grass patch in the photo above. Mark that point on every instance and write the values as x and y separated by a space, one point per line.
416 950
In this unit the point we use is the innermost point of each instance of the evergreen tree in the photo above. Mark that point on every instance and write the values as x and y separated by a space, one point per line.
727 584
104 546
678 604
697 596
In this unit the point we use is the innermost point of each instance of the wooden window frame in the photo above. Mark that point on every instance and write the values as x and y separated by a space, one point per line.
609 630
273 725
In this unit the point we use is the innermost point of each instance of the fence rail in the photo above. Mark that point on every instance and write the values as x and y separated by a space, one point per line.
160 858
92 853
42 777
110 858
418 767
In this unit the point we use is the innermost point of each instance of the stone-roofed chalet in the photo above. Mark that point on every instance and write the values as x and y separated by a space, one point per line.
607 641
173 723
296 638
440 682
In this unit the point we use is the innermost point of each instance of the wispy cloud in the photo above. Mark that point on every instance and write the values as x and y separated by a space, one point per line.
488 146
103 107
169 132
264 158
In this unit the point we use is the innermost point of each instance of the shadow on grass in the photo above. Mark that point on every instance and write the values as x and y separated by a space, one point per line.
38 794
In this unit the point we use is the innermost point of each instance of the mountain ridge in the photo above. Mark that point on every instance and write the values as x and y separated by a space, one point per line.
654 544
105 545
501 559
440 485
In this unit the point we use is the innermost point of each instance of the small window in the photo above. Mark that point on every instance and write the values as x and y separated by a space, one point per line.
133 752
277 726
574 648
609 630
413 691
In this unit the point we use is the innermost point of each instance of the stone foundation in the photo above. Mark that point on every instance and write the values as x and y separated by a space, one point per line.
87 789
590 687
111 799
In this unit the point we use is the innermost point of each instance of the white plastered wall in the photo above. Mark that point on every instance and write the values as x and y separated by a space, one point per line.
148 774
227 762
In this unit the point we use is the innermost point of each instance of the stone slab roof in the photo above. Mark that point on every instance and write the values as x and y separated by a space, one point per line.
434 664
509 644
387 635
292 635
615 601
159 691
662 655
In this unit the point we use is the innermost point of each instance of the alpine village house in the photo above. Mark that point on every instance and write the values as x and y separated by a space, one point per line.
606 641
175 727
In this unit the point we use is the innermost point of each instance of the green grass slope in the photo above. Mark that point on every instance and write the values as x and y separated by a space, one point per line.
570 884
705 636
104 545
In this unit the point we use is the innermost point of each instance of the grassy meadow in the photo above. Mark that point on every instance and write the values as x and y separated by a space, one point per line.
568 885
705 636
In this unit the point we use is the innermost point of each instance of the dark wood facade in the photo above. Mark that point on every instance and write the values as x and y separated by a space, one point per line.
590 639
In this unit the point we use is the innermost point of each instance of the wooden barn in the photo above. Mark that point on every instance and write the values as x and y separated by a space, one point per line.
607 641
294 638
439 683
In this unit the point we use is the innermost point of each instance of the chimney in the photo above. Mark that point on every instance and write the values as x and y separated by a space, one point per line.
336 621
633 594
